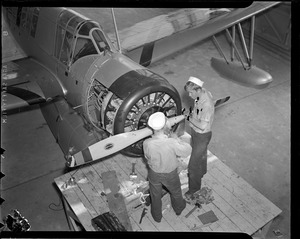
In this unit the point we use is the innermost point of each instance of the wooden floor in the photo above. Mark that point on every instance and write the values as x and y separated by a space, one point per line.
237 205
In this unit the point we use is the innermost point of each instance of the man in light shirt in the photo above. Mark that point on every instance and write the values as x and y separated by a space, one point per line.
162 154
200 121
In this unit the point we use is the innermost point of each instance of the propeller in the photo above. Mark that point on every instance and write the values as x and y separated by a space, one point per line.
113 144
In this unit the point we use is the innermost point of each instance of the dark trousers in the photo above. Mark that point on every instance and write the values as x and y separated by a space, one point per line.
172 182
198 161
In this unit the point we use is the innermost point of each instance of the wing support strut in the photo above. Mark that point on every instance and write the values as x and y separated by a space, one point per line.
234 47
116 29
220 49
233 37
237 51
247 75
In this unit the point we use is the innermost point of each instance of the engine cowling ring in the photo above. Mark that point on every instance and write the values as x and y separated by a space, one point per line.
139 105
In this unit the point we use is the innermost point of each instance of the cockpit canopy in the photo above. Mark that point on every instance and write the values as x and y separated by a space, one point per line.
77 36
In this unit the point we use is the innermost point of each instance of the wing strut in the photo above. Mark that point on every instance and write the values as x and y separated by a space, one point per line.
233 37
244 43
237 51
252 38
220 49
116 29
248 75
234 47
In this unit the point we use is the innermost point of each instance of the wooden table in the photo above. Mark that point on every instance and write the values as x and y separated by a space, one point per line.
238 206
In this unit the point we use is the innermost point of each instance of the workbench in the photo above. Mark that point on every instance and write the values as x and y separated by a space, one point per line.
237 205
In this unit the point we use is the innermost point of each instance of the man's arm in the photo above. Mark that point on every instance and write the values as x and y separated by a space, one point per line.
182 149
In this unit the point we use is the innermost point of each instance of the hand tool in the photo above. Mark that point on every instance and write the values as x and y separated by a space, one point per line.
190 113
133 175
138 206
143 214
197 205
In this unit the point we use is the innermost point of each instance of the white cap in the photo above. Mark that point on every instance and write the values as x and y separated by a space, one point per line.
196 81
157 121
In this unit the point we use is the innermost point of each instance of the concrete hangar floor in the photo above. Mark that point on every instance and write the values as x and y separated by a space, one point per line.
251 132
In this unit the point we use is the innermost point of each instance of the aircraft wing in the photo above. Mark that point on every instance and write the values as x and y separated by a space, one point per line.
151 40
20 89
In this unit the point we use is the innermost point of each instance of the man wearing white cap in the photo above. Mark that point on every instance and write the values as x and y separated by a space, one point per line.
161 153
200 121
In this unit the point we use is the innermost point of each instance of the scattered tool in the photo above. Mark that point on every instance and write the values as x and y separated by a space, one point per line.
197 205
277 233
144 212
138 206
133 175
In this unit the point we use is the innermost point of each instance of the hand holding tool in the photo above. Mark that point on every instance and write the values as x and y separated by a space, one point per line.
197 205
189 114
133 175
143 214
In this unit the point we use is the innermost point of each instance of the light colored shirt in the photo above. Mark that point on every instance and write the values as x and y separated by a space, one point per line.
203 111
161 152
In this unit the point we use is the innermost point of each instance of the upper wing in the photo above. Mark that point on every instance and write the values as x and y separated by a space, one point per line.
21 81
151 40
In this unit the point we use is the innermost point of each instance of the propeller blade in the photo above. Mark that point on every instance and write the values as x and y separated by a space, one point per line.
113 144
221 101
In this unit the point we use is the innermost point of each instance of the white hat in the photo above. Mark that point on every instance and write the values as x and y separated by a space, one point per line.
157 121
196 81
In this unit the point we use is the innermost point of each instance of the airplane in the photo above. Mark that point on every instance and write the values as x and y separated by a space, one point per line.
95 98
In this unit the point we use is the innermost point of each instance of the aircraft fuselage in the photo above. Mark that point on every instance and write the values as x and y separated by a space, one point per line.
110 92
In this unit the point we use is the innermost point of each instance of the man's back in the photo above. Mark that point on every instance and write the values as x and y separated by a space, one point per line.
162 152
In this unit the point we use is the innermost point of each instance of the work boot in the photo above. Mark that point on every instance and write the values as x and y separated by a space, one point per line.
189 196
178 213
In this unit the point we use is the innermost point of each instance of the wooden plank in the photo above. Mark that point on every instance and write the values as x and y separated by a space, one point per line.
229 225
175 221
140 166
116 201
227 208
82 192
237 205
196 224
91 194
215 226
124 179
241 207
99 167
135 226
225 222
164 225
258 197
209 227
191 222
262 213
95 180
146 224
78 207
121 175
169 215
126 164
